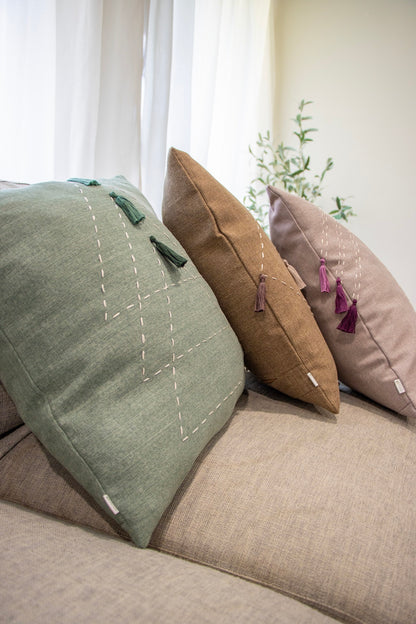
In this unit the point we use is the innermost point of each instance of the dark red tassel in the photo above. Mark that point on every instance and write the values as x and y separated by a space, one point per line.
323 278
350 319
341 304
261 295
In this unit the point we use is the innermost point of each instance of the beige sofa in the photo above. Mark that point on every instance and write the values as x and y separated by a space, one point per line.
288 516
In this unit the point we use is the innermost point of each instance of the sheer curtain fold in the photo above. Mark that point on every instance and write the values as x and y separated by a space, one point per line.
97 87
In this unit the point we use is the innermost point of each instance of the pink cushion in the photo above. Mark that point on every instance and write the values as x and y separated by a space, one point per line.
379 359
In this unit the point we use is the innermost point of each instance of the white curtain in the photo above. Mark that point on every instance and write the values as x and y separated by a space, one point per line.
94 88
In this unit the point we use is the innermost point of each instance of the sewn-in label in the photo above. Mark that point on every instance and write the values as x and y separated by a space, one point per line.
313 380
110 504
399 386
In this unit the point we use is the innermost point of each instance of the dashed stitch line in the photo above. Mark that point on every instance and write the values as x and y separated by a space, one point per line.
357 268
324 239
212 412
172 341
145 297
137 284
277 279
179 357
100 259
295 290
261 248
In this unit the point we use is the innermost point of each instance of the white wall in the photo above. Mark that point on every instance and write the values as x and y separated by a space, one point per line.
356 59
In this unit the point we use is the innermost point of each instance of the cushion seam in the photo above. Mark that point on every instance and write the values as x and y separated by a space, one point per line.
51 416
410 402
321 391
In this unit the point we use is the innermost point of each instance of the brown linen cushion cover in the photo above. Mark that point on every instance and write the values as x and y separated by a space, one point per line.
322 509
282 345
379 360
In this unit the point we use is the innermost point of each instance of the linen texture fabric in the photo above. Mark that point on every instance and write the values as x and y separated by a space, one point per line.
379 359
319 508
282 344
121 363
9 418
54 572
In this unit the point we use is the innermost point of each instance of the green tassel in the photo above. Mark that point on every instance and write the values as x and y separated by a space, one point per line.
85 181
129 209
168 253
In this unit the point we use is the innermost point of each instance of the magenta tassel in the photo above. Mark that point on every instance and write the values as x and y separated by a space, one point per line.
341 304
261 295
323 278
350 319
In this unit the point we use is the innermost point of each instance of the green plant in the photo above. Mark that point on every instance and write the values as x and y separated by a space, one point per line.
289 167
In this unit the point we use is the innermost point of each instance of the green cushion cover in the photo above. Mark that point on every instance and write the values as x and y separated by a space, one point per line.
121 363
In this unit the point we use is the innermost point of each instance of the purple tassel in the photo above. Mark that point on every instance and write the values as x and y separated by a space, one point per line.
261 295
350 319
323 278
341 304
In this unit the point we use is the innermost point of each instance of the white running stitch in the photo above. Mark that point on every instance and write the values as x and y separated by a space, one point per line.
178 357
261 248
324 239
213 411
100 259
139 300
357 268
158 290
172 341
296 291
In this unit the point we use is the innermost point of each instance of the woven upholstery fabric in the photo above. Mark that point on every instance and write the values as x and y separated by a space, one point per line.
31 476
46 579
122 364
379 360
9 418
323 509
282 344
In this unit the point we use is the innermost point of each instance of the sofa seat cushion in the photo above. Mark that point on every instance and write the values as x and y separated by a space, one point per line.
54 572
319 508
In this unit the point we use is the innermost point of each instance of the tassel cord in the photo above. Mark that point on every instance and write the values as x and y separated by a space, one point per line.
349 321
341 304
168 253
129 209
84 181
323 278
261 295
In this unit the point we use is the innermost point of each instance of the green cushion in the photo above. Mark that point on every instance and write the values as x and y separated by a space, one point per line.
121 363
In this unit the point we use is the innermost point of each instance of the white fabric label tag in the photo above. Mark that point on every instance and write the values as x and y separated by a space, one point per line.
110 504
313 380
399 386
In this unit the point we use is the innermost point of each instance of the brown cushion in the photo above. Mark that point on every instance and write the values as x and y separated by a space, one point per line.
379 359
9 418
282 344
